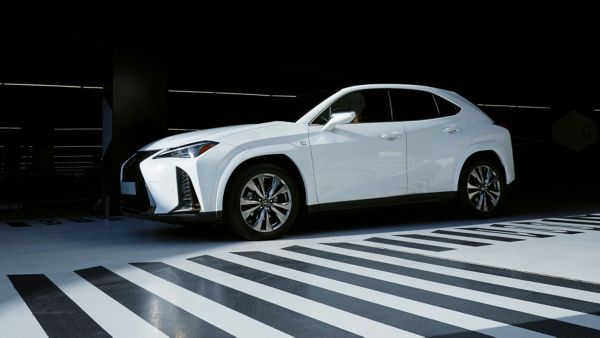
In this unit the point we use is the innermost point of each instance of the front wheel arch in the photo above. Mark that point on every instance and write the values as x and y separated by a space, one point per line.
280 160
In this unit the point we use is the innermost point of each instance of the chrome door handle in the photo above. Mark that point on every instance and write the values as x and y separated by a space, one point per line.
392 135
451 130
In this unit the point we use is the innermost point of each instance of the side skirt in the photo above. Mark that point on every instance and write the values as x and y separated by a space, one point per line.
385 201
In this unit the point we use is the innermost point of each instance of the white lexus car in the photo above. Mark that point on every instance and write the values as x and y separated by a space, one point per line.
367 145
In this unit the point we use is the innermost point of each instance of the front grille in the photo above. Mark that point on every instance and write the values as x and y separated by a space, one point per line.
132 173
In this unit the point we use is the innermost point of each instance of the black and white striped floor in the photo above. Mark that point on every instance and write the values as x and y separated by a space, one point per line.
501 279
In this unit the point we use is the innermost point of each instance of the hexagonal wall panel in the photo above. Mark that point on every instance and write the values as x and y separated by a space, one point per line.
575 131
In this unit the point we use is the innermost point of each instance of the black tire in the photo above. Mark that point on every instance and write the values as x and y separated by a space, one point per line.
271 210
482 201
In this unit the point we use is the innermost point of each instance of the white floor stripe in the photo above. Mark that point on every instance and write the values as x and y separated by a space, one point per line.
533 229
218 315
501 301
404 249
421 309
550 226
324 313
113 317
478 276
568 220
16 320
489 233
431 233
418 241
393 247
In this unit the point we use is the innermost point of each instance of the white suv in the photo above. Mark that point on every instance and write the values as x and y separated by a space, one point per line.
365 145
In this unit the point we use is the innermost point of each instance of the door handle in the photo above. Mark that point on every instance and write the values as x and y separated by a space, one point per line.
392 135
451 130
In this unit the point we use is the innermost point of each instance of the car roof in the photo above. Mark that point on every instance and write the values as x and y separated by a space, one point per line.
388 86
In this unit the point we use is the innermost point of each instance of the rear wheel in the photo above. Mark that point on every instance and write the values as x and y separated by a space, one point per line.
262 202
482 188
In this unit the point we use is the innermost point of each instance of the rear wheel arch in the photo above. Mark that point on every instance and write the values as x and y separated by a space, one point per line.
489 155
478 154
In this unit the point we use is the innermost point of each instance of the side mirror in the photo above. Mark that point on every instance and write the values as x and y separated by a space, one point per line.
339 118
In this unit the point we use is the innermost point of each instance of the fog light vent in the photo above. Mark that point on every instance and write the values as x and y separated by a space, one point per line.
185 190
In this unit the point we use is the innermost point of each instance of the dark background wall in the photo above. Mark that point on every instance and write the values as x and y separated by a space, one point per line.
51 137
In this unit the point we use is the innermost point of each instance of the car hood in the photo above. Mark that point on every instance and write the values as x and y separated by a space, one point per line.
214 134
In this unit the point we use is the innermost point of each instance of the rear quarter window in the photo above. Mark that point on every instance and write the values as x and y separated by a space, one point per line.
445 107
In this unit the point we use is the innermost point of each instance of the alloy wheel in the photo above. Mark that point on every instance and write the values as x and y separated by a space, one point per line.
265 202
484 188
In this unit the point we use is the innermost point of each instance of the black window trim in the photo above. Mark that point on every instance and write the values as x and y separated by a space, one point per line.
435 98
391 105
436 104
387 90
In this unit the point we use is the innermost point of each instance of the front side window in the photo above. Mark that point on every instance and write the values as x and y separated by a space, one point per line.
371 105
412 105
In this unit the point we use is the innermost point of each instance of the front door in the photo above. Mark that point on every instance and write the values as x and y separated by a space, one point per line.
361 160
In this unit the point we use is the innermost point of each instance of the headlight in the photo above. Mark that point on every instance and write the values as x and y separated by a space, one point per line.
188 150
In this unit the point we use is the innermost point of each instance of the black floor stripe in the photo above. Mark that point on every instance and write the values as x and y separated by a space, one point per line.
80 220
50 222
463 234
554 231
281 318
496 313
531 277
383 314
444 240
18 224
58 315
507 232
570 221
408 244
585 218
494 289
168 318
572 226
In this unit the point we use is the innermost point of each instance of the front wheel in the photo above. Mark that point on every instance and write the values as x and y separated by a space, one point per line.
262 202
482 189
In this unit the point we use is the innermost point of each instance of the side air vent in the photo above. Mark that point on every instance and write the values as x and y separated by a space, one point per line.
188 202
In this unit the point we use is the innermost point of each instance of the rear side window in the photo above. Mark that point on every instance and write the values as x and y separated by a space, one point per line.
446 107
412 105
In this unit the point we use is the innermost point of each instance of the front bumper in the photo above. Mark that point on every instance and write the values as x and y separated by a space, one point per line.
209 217
162 190
140 202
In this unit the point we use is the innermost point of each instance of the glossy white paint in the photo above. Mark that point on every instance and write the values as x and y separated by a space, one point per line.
339 119
348 162
355 161
433 146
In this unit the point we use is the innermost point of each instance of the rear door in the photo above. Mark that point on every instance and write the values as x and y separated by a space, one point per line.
435 137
